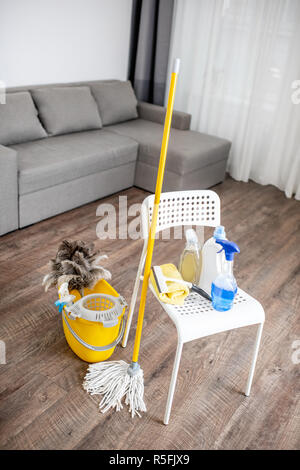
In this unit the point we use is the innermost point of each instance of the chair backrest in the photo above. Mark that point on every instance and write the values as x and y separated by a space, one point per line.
199 207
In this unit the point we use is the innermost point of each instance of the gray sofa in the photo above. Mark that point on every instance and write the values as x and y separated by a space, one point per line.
65 145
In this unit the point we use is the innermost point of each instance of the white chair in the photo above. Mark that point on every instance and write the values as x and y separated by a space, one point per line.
196 318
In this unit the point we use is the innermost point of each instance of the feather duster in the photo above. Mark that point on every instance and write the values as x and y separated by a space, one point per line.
76 262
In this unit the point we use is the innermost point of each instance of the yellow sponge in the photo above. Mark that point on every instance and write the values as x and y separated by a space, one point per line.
177 292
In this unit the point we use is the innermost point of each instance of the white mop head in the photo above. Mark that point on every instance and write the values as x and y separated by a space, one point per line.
112 380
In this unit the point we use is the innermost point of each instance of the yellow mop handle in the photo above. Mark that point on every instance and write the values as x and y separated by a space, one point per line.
159 182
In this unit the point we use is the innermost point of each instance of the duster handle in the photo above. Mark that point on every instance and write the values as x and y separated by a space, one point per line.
159 182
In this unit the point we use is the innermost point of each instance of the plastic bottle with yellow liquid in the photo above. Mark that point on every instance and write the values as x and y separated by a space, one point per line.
190 263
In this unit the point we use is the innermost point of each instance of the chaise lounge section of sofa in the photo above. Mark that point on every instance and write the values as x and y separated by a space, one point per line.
195 160
65 145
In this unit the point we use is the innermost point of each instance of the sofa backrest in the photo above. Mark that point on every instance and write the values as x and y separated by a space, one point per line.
114 100
51 85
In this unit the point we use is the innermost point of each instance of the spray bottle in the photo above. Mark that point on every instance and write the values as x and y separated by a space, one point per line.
224 287
191 260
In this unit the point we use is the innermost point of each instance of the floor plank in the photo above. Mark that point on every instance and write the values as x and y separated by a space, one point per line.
42 403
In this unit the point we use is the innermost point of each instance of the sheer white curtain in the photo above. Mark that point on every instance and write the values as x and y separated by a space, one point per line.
239 62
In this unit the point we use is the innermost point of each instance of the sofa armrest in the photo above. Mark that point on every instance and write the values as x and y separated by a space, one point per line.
155 113
9 219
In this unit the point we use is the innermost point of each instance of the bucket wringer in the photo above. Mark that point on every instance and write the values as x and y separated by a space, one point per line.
93 324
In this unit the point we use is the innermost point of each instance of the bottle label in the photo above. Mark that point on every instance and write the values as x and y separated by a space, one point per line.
222 299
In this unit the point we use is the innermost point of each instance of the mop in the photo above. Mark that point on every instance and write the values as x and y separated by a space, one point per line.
116 380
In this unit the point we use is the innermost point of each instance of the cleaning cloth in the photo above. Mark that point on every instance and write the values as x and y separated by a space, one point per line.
177 292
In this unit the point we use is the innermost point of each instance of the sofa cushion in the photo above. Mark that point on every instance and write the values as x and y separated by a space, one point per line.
18 119
67 109
116 101
56 160
187 151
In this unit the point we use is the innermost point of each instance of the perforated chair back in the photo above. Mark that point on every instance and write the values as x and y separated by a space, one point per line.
200 207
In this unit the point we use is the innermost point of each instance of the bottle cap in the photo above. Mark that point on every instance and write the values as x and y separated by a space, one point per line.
191 236
220 232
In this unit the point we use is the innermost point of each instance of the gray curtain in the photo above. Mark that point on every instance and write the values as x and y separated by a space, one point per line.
149 48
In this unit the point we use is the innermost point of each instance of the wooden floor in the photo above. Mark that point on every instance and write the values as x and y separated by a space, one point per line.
43 405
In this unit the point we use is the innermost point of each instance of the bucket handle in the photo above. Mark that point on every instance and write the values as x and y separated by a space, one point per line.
96 348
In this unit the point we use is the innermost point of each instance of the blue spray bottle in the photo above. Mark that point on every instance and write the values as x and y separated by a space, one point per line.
224 287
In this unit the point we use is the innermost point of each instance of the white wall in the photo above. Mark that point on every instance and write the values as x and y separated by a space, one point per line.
47 41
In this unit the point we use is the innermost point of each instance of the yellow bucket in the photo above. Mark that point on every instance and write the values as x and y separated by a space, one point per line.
91 340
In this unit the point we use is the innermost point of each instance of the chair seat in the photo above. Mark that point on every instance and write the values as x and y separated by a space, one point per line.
197 318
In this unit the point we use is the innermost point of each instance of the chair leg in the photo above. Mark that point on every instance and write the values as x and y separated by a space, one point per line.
254 358
133 299
173 382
